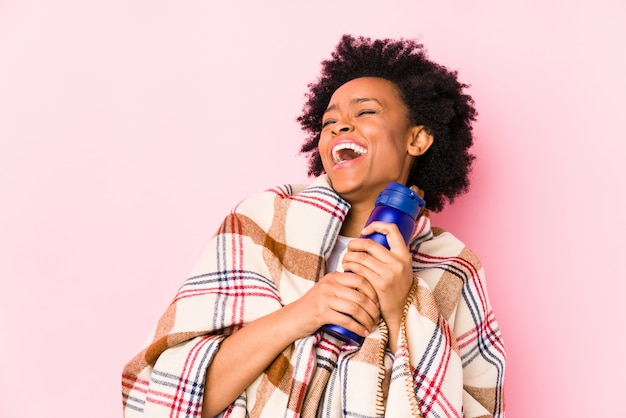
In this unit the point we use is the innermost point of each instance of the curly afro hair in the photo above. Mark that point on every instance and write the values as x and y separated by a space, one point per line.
431 92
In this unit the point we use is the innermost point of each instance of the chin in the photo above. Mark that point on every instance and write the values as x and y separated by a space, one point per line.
347 190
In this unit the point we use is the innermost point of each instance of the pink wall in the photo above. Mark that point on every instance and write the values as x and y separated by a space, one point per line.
127 130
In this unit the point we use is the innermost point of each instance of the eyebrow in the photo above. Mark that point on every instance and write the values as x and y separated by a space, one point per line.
355 101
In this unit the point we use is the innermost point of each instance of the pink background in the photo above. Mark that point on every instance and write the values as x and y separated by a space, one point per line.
129 128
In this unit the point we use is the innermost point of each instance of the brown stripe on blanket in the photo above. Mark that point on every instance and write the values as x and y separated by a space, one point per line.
424 302
298 262
485 396
437 230
276 376
280 371
471 258
296 396
160 342
263 394
163 339
371 350
447 293
315 392
448 289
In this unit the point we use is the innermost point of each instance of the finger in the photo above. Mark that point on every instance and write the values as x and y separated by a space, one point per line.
355 296
391 232
356 282
362 327
364 254
358 248
363 265
359 308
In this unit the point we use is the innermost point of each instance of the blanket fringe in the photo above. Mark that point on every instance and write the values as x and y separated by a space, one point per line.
380 395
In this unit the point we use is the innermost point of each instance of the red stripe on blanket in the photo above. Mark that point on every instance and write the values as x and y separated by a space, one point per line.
259 291
324 203
178 402
433 391
237 266
131 382
487 330
335 210
476 282
486 325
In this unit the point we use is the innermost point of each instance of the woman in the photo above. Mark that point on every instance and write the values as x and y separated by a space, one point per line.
244 335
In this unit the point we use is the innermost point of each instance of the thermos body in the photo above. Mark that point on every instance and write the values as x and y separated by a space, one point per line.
405 223
399 205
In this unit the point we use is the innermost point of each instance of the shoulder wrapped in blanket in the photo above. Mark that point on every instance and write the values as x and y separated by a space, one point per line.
268 252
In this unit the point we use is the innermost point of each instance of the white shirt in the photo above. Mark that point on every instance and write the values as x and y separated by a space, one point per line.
340 248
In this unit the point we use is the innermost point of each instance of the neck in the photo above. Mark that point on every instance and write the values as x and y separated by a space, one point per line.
356 219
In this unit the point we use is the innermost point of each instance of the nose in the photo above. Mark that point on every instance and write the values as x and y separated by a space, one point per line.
342 126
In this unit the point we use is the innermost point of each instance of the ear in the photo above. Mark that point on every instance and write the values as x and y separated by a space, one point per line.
419 140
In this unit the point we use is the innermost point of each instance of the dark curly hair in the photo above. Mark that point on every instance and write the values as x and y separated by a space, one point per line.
431 92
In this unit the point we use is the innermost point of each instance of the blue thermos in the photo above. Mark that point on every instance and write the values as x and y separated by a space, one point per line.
396 204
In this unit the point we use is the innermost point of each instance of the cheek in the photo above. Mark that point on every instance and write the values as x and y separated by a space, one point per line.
323 143
392 140
322 148
325 162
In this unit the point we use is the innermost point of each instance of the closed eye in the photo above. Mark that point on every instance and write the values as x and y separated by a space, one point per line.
327 122
366 112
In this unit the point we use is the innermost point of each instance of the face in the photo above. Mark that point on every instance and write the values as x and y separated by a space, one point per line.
367 139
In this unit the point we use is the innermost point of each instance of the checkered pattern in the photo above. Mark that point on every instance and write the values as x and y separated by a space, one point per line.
267 253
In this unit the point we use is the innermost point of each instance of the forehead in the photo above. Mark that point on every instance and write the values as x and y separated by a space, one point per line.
367 88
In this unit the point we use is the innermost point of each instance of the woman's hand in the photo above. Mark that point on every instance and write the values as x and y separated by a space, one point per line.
389 271
332 299
260 341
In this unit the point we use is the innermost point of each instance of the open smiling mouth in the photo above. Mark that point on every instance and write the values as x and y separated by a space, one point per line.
347 151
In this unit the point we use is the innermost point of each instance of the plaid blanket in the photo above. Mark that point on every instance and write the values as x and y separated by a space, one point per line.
268 252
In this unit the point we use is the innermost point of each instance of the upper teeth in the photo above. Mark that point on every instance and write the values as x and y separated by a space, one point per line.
347 145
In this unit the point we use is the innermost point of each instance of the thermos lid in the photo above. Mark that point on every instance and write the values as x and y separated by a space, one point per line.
402 198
